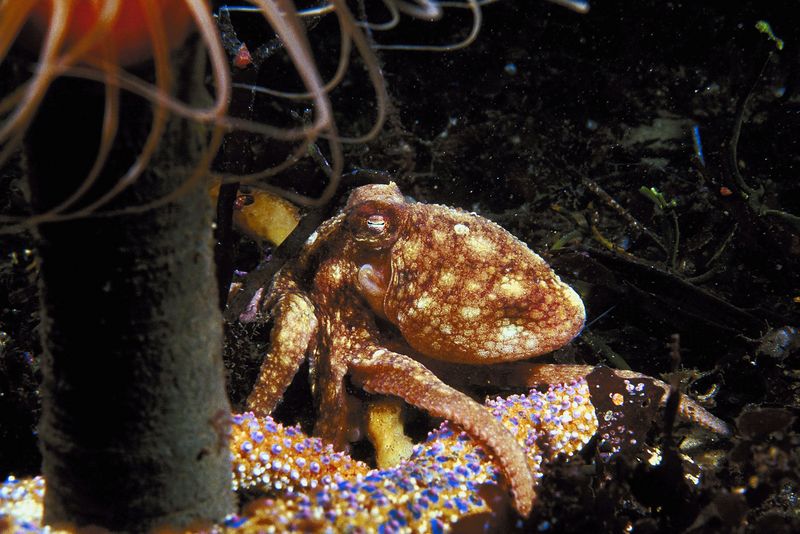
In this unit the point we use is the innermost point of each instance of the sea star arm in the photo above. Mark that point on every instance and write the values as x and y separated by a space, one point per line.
295 329
392 373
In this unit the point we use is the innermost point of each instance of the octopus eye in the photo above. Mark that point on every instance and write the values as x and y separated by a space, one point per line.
375 224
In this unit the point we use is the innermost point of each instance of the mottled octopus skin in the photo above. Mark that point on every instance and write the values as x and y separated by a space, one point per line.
464 290
456 286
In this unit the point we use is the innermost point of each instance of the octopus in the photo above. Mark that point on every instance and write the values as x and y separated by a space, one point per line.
389 290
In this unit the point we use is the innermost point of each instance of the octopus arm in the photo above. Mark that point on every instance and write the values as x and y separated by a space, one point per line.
391 373
295 328
334 405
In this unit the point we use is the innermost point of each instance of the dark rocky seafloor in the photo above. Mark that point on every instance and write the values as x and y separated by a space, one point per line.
578 133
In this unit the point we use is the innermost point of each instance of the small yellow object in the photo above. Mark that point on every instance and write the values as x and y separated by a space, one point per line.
764 27
385 430
263 216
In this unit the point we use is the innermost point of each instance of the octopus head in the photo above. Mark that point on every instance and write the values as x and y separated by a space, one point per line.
458 287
